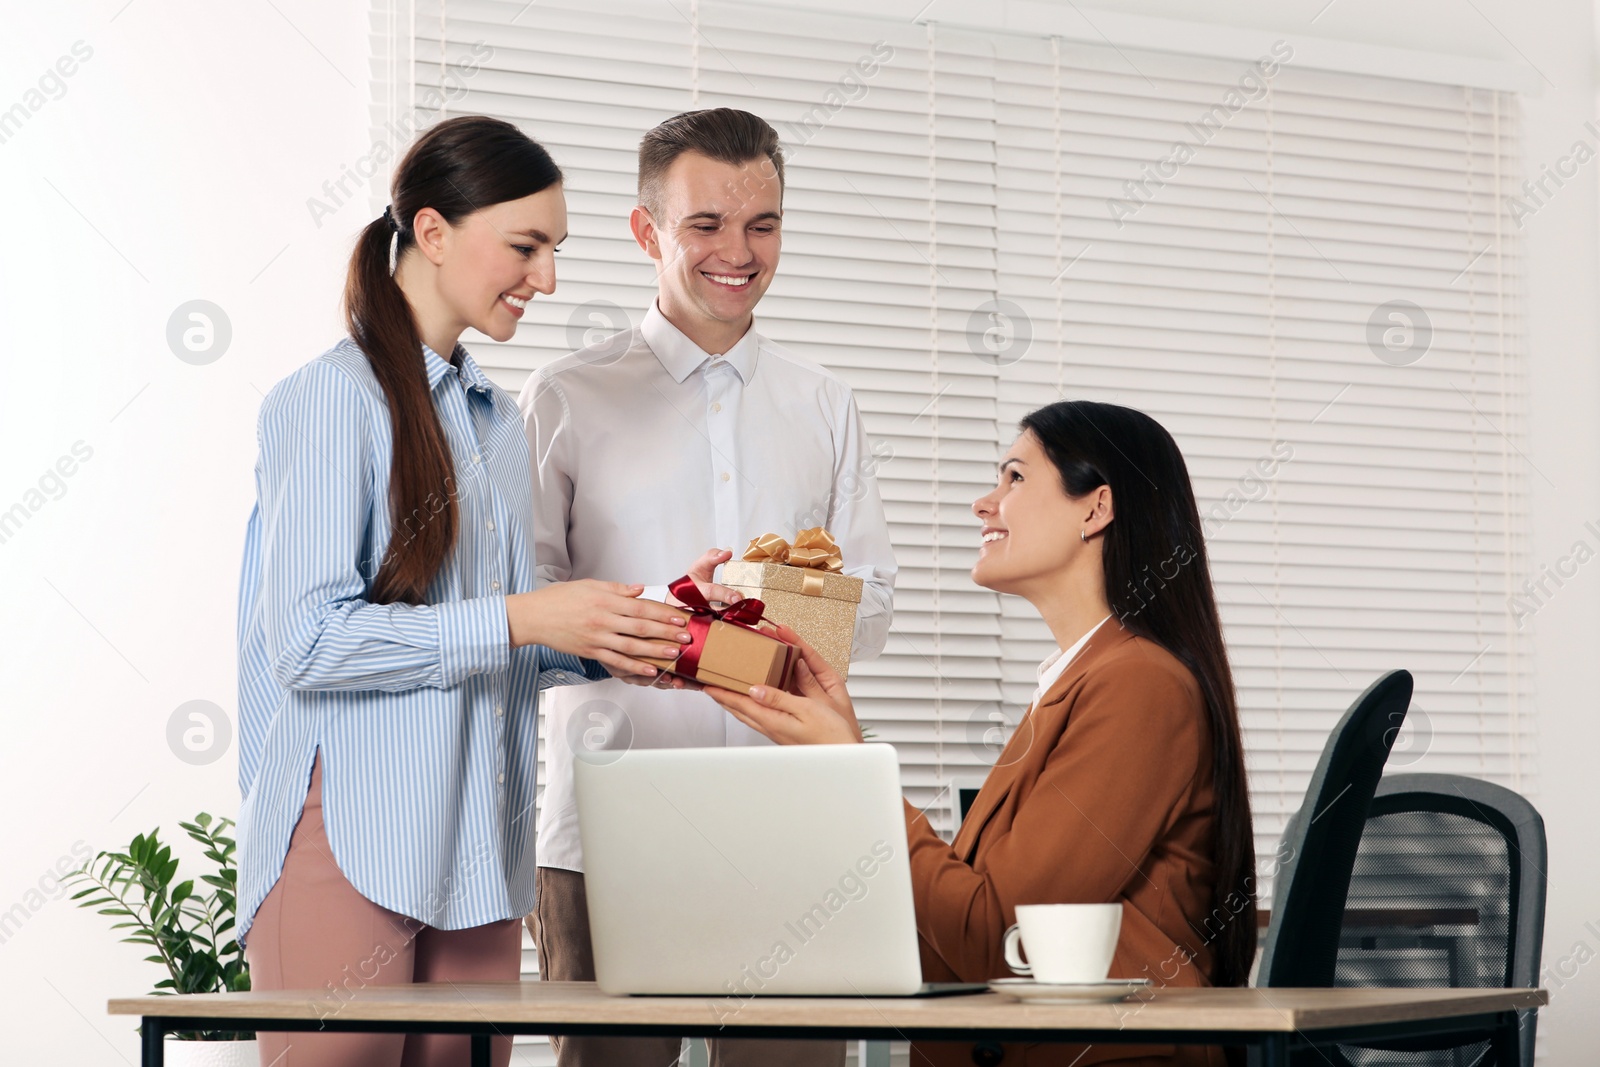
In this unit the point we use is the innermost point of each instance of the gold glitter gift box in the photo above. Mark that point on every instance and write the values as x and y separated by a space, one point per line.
802 588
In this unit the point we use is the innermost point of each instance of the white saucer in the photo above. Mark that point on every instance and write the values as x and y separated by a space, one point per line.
1026 989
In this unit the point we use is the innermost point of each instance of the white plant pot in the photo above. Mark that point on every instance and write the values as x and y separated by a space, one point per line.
211 1053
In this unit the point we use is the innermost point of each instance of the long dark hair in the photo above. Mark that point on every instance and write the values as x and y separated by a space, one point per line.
457 167
1158 582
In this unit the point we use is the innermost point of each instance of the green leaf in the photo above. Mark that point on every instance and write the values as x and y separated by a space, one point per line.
199 975
184 921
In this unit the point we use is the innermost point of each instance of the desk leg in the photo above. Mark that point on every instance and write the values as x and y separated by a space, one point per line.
1274 1051
480 1050
152 1041
1507 1042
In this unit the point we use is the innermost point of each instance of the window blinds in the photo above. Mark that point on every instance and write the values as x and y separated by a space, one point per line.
1357 460
1307 276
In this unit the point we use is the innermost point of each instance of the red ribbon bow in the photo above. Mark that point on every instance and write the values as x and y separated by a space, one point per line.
745 613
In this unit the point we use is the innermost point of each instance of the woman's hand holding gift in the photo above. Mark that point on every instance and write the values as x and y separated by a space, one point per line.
818 712
603 621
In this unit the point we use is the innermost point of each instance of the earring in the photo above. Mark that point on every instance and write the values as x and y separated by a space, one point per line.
1083 535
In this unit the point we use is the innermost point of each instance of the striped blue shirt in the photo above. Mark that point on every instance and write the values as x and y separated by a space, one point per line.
425 716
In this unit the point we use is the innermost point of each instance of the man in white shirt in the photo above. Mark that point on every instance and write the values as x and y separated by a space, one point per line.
691 430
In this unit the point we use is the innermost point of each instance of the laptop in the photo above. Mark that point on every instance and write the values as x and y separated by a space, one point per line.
752 871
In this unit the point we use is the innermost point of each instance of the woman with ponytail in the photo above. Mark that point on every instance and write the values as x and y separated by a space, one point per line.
391 641
1125 780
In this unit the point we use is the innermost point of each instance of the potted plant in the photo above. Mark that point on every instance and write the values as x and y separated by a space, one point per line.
190 930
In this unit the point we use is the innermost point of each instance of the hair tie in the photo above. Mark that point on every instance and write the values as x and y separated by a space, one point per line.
394 239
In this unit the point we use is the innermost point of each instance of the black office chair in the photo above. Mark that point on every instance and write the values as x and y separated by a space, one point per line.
1448 889
1319 844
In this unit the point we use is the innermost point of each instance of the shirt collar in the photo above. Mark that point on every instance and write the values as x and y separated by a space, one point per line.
682 357
437 367
1051 669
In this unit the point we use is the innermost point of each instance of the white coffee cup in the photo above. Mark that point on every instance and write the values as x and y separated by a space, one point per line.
1065 942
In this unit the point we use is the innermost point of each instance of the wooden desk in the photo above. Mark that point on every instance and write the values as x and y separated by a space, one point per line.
1273 1020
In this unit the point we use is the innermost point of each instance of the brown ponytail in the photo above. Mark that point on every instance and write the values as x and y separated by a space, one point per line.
457 167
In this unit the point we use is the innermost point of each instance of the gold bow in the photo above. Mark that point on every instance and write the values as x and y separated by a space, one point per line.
814 549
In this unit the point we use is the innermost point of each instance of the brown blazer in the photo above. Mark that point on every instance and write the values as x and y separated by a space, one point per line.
1102 794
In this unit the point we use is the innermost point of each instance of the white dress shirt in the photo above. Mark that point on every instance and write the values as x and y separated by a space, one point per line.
1054 665
647 451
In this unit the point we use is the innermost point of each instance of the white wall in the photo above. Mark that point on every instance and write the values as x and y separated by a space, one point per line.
176 165
1564 387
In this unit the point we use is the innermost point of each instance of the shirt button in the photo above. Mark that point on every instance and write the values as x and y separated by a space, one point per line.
499 710
715 407
490 525
495 585
501 779
726 476
477 457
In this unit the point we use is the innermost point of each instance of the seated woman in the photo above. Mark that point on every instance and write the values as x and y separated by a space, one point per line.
1125 780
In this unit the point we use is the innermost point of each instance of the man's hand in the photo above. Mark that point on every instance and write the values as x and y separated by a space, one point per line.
703 568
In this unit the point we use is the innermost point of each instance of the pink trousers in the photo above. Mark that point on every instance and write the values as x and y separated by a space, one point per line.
316 932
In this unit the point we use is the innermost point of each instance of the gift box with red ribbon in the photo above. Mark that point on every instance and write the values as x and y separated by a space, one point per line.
729 647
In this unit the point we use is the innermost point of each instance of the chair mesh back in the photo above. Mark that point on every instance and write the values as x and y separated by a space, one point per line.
1430 904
